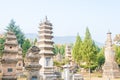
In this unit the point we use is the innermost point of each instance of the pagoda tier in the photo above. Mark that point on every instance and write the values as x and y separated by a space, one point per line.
19 56
45 31
11 52
11 43
9 61
46 42
45 37
45 23
10 36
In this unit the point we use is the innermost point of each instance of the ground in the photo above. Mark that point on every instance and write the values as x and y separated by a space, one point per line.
95 76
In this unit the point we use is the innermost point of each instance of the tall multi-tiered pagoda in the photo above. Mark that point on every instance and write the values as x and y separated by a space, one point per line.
12 61
110 68
45 44
9 59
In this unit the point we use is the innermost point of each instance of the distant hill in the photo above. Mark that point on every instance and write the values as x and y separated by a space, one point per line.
60 39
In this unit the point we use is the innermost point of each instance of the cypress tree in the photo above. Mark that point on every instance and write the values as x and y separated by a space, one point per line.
89 50
77 56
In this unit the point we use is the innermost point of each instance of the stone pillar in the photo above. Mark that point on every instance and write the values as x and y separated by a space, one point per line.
66 72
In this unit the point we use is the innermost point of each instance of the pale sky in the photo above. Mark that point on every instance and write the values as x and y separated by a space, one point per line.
68 17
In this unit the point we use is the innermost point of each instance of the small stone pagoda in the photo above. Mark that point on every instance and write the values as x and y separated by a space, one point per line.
9 58
19 65
45 44
32 64
110 68
68 54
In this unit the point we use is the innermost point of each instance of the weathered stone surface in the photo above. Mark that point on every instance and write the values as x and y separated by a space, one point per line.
11 59
110 68
45 44
32 63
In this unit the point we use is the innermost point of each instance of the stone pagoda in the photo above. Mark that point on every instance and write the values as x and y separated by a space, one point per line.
110 68
68 54
45 44
32 64
19 65
9 58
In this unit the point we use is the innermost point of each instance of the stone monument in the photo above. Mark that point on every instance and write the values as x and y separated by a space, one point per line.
68 54
19 65
32 64
110 68
45 45
9 58
66 72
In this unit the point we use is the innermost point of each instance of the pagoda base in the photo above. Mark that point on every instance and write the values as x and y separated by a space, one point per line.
33 75
9 78
111 70
49 77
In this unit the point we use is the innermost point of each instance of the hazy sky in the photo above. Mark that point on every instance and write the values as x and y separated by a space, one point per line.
67 16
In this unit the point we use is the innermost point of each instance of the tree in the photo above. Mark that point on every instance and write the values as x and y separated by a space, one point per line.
25 46
2 40
62 50
55 49
35 41
76 54
117 54
100 58
89 50
16 29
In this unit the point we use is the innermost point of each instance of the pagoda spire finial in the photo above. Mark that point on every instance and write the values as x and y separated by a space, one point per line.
109 39
46 19
108 31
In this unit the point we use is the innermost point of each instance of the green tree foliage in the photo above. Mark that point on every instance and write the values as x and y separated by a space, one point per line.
89 50
2 40
59 49
35 41
76 53
25 46
55 49
117 54
62 50
100 58
16 29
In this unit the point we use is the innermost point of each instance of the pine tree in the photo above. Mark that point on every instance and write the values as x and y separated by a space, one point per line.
16 29
77 56
89 50
25 46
